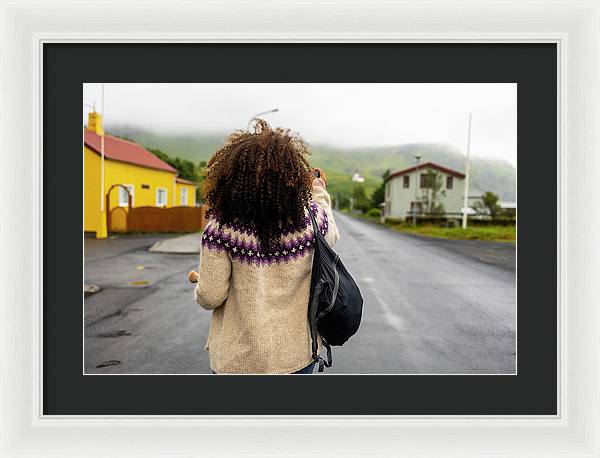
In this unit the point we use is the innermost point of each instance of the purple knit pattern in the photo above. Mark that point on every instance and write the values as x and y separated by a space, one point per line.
217 238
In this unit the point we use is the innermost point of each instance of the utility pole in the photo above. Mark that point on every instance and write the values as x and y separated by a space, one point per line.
414 215
466 196
102 231
102 156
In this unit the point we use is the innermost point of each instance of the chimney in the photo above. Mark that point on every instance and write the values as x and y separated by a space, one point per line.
95 123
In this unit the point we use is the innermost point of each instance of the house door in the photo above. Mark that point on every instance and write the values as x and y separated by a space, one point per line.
118 220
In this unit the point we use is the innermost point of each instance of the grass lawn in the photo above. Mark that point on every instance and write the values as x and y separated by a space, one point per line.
493 233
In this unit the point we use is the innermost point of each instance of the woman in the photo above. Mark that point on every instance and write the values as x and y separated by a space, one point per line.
256 256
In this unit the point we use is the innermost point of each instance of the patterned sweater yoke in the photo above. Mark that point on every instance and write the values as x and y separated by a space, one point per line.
260 297
242 245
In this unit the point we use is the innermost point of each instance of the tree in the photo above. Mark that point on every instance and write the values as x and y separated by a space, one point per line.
340 200
490 201
186 169
378 196
431 192
361 201
201 177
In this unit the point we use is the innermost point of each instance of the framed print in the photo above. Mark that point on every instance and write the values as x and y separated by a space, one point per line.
468 341
443 165
450 325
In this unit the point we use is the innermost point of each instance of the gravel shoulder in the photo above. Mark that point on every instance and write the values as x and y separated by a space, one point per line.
499 254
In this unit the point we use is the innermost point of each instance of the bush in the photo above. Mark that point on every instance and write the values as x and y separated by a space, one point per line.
374 213
393 221
361 201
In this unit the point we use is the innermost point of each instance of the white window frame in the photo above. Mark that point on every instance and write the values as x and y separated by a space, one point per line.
183 192
164 204
131 189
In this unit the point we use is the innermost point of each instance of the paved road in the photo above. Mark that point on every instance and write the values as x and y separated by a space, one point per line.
431 307
144 319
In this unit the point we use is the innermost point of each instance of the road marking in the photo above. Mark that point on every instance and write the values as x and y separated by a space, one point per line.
392 319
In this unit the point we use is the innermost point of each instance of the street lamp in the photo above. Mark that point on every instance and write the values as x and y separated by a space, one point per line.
274 110
414 218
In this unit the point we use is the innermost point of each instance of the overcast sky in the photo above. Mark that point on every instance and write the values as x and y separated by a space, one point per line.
346 115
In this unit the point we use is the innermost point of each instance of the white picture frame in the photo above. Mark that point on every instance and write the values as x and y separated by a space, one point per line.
573 25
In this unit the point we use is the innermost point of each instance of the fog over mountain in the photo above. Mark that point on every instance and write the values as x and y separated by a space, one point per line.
498 176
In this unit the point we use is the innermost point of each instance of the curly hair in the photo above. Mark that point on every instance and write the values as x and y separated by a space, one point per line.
261 180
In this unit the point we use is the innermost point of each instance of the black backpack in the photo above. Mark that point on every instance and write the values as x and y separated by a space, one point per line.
335 304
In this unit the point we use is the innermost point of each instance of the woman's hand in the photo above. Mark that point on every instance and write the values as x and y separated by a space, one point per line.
193 277
321 180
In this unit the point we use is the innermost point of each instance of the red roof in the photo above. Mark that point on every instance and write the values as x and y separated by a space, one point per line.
121 150
427 165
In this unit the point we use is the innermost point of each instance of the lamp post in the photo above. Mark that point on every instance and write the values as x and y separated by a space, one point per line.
414 215
274 110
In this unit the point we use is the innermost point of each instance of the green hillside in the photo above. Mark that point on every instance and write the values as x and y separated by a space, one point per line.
371 162
195 148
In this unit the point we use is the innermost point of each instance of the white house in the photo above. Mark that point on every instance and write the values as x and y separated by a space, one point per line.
357 177
413 186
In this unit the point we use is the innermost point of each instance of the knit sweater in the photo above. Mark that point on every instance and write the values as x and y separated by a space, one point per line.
260 300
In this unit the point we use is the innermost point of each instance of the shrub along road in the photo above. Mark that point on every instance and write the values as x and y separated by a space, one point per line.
431 306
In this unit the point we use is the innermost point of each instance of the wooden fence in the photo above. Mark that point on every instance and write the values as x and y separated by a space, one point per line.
156 219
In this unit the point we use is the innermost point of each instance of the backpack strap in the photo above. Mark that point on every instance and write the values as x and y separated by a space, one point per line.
314 222
313 321
315 289
313 304
329 358
322 362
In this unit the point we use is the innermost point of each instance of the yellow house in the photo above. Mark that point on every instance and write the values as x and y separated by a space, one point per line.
150 180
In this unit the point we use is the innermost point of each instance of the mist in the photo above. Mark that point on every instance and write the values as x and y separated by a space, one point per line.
345 115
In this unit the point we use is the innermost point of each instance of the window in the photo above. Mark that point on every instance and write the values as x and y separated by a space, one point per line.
449 182
416 207
387 190
161 197
123 197
427 180
184 197
406 182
